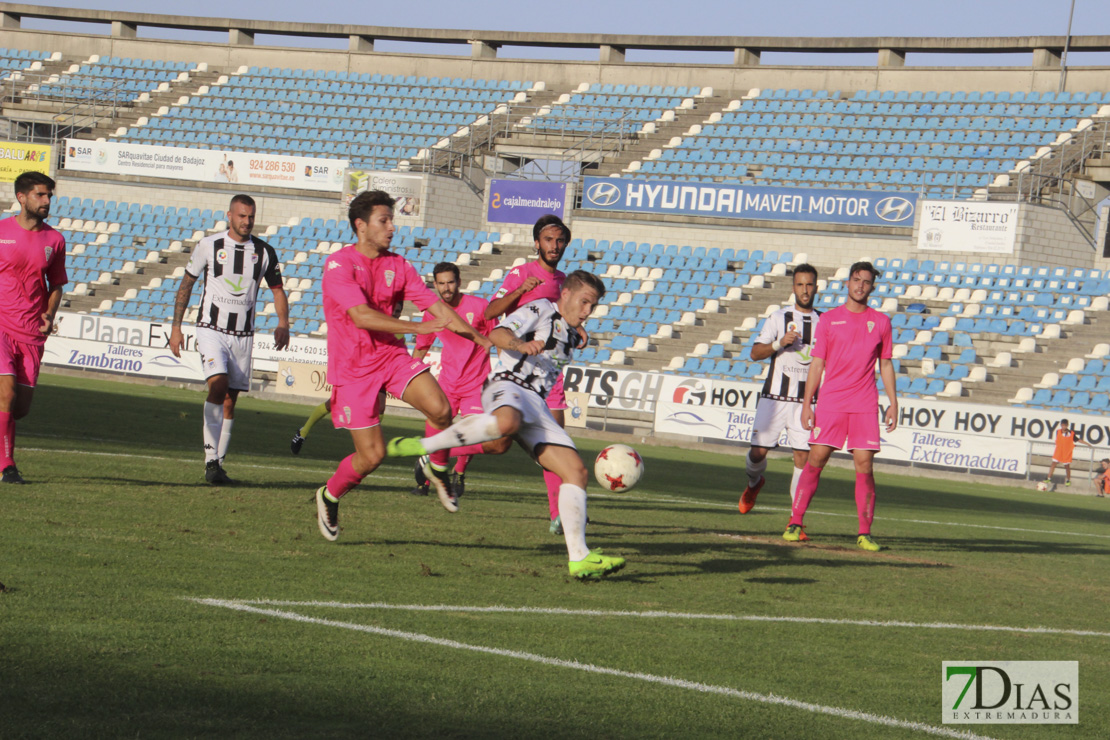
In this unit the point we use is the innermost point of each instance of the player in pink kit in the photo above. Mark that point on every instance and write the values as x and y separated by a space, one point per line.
524 284
464 367
32 273
362 285
848 341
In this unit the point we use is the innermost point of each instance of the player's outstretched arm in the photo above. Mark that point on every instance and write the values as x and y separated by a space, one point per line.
511 300
455 323
502 338
281 305
180 303
886 372
371 319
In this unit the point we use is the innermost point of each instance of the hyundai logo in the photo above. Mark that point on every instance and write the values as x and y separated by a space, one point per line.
603 194
894 209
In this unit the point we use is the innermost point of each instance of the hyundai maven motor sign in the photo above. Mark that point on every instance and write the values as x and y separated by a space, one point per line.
723 200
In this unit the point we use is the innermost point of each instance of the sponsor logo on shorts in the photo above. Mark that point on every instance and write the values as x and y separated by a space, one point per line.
872 442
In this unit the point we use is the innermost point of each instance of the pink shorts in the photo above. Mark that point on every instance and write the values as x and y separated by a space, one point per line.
359 405
557 398
20 359
465 405
841 430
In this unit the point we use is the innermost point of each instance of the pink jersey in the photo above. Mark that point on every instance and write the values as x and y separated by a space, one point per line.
550 287
850 343
382 283
465 365
31 264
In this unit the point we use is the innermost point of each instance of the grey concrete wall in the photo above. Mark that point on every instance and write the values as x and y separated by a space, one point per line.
1047 237
450 203
563 74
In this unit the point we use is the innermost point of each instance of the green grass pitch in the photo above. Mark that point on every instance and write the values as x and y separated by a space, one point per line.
140 602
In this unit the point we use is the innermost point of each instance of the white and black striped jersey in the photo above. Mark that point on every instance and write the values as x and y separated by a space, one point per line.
786 378
232 275
541 320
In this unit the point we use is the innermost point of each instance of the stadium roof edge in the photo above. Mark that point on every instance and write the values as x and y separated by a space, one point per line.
12 12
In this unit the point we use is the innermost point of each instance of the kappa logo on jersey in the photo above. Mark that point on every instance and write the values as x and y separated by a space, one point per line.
870 326
389 275
332 264
221 256
838 323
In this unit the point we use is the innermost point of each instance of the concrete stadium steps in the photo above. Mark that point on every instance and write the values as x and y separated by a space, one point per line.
129 117
643 145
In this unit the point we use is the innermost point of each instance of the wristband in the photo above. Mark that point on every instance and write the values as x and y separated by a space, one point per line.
776 345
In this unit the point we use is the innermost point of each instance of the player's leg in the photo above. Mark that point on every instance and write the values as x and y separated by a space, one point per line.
801 457
228 422
423 393
556 401
356 407
8 416
19 372
299 436
1051 470
755 465
863 436
819 455
1067 474
558 456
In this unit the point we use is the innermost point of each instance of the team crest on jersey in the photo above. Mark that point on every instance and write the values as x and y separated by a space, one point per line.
254 257
49 253
870 326
389 275
221 256
470 317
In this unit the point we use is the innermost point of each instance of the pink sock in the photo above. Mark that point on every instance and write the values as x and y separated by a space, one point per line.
439 458
865 501
553 482
467 450
461 462
345 478
807 486
7 440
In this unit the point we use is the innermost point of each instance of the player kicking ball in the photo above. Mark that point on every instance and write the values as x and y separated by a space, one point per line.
535 342
848 341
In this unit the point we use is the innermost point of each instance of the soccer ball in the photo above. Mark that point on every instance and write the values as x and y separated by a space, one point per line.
618 468
1042 486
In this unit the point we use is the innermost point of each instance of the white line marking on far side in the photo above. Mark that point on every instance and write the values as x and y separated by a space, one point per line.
849 714
677 615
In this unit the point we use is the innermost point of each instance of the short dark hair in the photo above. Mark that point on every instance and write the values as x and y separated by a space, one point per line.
806 269
860 266
363 204
549 220
1064 423
1106 460
244 199
446 267
27 181
580 278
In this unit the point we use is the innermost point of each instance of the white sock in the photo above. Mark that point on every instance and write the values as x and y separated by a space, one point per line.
225 438
470 430
213 425
794 484
572 513
755 469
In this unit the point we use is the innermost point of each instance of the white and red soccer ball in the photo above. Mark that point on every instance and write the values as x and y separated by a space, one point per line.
618 468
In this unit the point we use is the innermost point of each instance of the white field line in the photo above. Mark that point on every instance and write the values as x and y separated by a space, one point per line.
674 615
589 668
615 497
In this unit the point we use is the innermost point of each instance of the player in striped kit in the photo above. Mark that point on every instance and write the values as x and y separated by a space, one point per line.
535 343
786 338
234 265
